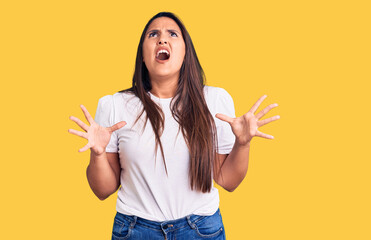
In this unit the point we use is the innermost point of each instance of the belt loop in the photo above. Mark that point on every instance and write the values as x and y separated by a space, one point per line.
132 224
192 225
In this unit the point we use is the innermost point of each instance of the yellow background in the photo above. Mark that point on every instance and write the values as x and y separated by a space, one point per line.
311 57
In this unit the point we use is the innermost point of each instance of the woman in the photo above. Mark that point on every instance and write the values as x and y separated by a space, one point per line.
168 108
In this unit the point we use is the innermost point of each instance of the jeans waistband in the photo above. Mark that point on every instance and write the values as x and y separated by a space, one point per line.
165 225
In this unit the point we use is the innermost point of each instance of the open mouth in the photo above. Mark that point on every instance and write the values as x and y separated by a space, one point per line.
163 55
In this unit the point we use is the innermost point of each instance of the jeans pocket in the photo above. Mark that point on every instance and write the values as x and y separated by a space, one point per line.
121 228
209 226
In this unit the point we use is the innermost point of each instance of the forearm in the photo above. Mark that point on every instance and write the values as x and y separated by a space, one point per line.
101 176
236 165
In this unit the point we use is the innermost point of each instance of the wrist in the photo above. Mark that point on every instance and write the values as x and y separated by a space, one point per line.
245 144
97 151
94 156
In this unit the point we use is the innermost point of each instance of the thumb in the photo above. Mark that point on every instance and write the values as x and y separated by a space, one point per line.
117 126
224 118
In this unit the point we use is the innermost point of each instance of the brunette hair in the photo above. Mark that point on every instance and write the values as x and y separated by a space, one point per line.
188 108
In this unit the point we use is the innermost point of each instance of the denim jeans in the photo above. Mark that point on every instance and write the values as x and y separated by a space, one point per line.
186 228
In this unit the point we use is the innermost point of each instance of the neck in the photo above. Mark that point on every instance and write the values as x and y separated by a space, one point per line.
164 87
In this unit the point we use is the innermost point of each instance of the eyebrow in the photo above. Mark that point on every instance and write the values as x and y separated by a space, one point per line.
157 30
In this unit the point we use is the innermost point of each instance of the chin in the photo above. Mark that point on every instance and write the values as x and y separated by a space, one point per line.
163 74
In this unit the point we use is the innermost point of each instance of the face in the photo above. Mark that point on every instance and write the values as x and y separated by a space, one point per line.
163 35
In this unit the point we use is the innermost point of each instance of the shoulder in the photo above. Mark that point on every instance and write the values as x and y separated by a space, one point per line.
116 98
219 101
124 104
215 94
118 106
105 101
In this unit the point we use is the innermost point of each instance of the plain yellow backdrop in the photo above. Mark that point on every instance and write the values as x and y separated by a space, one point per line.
311 57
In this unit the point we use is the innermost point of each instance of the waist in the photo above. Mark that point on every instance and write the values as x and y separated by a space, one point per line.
188 220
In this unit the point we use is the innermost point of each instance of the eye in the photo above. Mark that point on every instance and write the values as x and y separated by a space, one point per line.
151 34
173 33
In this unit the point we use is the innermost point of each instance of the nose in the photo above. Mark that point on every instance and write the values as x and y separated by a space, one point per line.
162 42
162 39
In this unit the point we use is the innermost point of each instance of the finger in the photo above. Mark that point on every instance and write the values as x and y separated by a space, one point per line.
78 133
86 147
268 120
80 123
257 104
87 114
224 117
263 135
265 110
116 126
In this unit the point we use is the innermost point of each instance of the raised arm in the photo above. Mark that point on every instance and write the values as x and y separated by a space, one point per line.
103 171
244 128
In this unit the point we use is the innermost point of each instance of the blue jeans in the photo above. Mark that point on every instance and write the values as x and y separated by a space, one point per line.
190 227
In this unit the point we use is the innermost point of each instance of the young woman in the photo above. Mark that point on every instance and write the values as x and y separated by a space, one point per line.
168 114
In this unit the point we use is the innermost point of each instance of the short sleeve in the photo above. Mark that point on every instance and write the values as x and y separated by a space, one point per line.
225 136
104 116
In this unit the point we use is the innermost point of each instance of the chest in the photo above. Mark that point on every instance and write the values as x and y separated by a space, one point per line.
137 145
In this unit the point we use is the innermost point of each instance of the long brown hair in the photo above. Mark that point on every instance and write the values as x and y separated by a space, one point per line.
188 108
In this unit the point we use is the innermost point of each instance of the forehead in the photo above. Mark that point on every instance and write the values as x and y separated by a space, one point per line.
163 23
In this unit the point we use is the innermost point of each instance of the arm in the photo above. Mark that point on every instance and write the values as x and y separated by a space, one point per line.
103 174
235 166
244 128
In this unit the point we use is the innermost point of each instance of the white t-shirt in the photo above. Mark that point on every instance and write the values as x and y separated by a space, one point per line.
146 191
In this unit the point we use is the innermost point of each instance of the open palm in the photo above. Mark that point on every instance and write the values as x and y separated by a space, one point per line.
98 137
246 126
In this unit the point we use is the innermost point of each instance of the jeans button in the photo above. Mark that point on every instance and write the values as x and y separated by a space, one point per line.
168 225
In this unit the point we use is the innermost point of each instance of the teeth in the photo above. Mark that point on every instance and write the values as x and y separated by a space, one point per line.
162 51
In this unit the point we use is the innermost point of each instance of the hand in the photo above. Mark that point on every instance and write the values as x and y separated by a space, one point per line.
246 126
98 136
